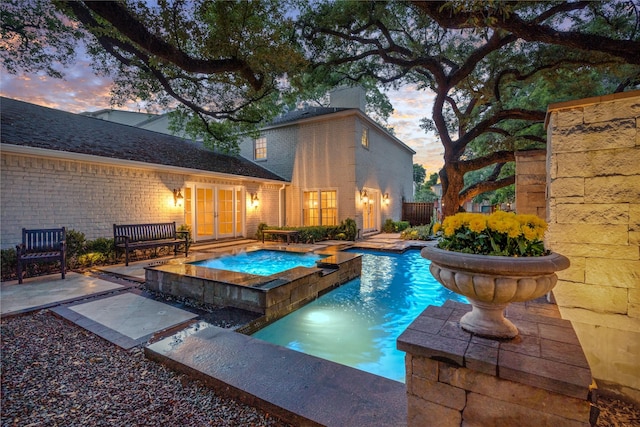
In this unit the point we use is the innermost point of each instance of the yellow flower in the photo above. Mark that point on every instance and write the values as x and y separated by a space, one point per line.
449 231
436 227
478 223
529 233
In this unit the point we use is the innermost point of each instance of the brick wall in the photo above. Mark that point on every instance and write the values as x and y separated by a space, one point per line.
594 219
40 192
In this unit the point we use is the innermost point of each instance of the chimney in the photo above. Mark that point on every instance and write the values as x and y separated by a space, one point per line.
348 97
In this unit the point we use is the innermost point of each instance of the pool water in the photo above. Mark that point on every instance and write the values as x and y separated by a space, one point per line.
262 262
358 323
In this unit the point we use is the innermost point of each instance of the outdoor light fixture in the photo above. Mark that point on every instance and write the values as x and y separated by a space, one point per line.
385 198
364 198
254 200
178 198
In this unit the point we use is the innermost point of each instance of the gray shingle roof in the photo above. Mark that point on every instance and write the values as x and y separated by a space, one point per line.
31 125
305 113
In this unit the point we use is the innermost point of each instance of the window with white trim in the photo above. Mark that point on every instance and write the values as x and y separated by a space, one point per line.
320 207
260 149
365 137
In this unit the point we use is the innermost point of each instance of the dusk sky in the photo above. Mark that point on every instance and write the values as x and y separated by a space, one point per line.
82 90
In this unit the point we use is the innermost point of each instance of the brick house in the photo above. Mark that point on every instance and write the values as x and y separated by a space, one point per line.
60 168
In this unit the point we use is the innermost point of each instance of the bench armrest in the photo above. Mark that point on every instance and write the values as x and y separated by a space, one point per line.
121 239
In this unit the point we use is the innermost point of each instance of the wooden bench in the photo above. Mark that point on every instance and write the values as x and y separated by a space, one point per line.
288 233
40 245
130 237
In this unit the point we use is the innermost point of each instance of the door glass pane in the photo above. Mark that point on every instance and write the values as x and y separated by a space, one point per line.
204 211
239 206
369 213
188 219
225 212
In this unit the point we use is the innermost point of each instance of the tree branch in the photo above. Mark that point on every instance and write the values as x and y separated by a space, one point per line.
122 20
484 186
534 30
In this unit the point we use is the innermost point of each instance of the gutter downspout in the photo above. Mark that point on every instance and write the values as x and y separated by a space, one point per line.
280 207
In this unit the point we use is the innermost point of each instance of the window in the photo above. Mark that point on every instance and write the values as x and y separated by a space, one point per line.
365 137
260 149
328 208
319 208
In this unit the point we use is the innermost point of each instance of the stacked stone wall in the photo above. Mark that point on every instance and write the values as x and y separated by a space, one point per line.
594 219
531 183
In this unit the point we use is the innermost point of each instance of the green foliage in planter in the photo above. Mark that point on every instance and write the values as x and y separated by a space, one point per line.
501 234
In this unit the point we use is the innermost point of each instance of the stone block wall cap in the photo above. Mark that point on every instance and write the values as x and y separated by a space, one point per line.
490 264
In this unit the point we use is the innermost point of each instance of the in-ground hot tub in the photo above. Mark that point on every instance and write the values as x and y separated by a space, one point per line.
272 295
263 262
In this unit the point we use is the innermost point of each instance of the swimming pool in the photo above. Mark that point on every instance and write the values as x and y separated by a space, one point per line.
358 323
261 262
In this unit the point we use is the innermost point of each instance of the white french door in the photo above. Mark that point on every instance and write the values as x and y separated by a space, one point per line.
370 213
214 212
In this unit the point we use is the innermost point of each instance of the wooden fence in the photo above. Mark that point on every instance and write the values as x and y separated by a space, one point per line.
417 213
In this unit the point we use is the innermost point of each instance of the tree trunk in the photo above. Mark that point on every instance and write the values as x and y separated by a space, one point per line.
452 180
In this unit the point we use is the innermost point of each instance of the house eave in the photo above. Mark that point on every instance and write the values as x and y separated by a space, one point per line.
68 155
341 114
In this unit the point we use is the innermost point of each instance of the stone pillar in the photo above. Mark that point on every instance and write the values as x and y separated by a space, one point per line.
455 378
594 220
531 182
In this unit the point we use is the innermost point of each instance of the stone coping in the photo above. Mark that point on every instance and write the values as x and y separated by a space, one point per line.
300 389
546 354
183 267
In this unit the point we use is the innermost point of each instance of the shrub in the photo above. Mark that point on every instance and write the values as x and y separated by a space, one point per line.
391 226
349 229
184 228
8 263
401 226
261 227
76 246
420 232
97 252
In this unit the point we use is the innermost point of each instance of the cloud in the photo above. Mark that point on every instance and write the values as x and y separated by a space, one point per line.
410 107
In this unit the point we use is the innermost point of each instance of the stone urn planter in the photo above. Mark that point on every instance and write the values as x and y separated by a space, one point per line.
490 283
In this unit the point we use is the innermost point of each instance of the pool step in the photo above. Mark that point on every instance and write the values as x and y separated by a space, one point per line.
298 388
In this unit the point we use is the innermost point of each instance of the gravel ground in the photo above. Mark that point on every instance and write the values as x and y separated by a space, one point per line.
56 374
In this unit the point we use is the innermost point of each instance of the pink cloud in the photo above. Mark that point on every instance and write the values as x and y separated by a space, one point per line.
411 106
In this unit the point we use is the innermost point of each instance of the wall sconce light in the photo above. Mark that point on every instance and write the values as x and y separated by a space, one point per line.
364 197
178 198
385 198
254 200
